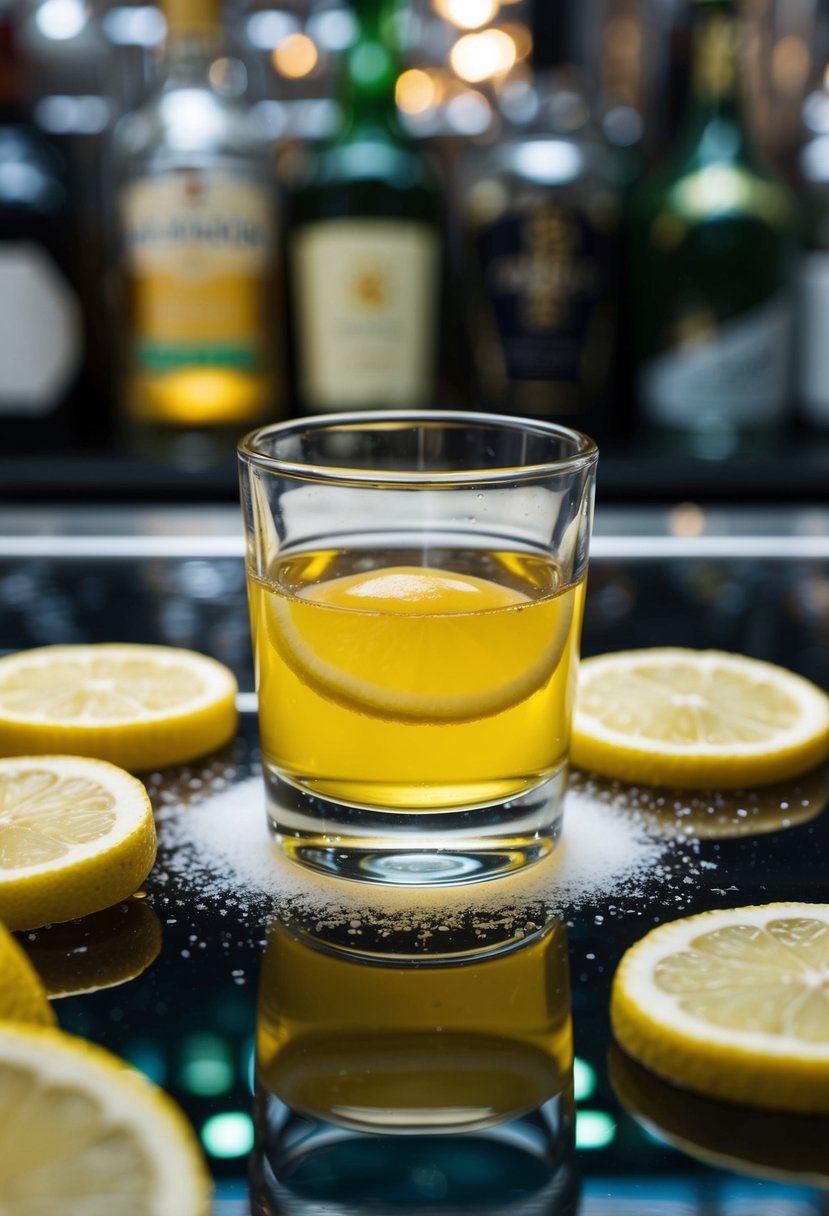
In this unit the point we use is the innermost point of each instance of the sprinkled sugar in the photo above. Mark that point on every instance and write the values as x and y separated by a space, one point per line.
222 848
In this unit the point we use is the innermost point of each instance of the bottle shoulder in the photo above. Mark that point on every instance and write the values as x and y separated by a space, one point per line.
178 124
526 171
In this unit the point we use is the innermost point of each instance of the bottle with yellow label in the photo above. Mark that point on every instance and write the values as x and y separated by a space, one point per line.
197 254
364 244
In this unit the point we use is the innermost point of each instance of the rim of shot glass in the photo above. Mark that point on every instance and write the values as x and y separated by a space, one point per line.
585 450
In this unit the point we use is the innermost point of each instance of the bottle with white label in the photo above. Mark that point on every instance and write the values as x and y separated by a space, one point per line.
200 348
365 246
41 328
713 258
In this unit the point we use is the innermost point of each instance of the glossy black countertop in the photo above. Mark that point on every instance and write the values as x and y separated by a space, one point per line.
170 980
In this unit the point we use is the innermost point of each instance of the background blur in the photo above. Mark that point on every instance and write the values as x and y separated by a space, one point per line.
490 94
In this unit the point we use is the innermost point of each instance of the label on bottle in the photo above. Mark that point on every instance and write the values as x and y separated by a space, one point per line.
366 312
40 332
543 275
735 372
198 254
813 317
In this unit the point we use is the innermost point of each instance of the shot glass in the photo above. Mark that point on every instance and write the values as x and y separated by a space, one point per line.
416 583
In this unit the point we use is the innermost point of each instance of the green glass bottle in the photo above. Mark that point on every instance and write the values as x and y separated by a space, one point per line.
713 249
364 245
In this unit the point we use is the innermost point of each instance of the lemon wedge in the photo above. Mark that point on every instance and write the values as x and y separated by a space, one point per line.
84 1135
22 995
421 644
696 719
140 707
76 835
733 1004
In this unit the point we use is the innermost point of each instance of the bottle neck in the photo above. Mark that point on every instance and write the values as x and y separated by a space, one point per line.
193 38
370 70
714 129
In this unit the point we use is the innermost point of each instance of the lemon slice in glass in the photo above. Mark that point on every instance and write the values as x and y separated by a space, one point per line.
696 719
84 1135
76 835
22 995
422 644
140 707
733 1004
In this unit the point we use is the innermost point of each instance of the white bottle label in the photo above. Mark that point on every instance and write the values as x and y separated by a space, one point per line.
366 303
739 373
40 331
813 360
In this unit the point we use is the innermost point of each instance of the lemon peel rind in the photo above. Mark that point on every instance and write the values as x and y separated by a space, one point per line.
155 740
120 1091
23 997
695 765
29 900
741 1066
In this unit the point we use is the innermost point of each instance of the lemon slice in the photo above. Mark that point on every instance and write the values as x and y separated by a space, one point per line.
696 719
22 995
733 1004
76 835
84 1135
140 707
421 644
99 951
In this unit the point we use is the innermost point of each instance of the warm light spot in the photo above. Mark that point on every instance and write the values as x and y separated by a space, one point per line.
296 56
415 91
790 65
477 57
521 37
467 14
687 519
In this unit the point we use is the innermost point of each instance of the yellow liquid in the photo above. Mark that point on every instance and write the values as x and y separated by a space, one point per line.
391 684
402 1043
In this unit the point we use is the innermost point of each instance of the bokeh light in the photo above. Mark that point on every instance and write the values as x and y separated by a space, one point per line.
477 57
296 56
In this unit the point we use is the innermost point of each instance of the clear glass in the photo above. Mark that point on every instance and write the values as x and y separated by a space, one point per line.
416 583
440 1078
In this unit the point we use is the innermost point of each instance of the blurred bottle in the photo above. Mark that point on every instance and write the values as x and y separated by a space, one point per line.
713 249
400 1068
541 218
813 313
41 325
365 244
197 255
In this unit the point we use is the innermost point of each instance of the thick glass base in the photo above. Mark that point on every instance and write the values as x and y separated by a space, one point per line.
519 1168
415 847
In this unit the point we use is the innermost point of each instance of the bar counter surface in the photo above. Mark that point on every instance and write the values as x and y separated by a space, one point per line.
750 580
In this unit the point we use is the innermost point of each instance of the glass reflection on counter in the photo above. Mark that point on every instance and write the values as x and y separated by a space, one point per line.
400 1070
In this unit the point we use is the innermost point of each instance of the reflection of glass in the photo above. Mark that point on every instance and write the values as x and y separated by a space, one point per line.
416 585
401 1075
715 814
787 1147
